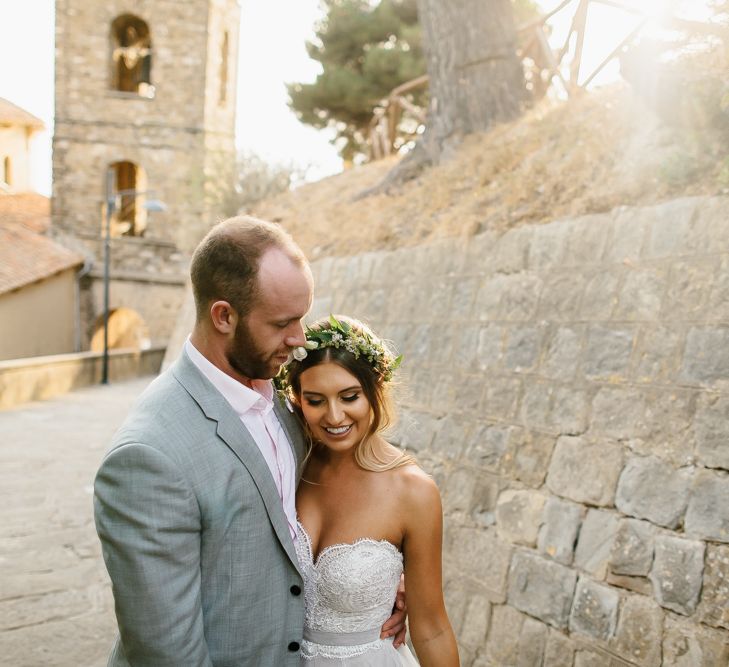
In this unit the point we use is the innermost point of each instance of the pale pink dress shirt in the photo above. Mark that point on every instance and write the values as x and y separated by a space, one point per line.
255 409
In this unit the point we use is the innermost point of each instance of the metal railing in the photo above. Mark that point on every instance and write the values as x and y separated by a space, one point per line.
385 135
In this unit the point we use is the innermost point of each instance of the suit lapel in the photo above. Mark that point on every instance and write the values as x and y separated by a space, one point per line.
236 436
292 428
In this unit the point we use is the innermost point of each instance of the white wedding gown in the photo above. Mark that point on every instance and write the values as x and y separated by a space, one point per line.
349 592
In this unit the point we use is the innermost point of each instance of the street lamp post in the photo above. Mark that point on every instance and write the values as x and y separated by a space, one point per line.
111 199
110 203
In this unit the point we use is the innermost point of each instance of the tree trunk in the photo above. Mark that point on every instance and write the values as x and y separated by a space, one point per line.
476 78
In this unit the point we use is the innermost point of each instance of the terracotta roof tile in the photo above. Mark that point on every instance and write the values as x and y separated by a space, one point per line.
29 209
26 257
12 114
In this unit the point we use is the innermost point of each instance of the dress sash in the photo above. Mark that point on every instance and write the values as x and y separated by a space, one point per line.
341 638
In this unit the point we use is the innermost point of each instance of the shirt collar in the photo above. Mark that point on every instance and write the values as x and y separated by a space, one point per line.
241 398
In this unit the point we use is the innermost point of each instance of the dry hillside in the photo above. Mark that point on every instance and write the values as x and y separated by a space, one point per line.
590 154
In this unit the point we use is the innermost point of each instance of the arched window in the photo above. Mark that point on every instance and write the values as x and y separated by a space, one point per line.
131 56
127 329
130 216
224 70
7 170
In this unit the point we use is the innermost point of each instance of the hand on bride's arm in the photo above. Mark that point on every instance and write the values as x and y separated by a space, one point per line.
395 625
430 629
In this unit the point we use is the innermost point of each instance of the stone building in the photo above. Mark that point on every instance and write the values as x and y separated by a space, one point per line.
17 128
145 109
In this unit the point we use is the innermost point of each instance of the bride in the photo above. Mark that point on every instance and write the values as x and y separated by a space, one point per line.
366 511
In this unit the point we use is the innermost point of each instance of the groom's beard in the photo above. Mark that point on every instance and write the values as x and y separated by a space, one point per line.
247 358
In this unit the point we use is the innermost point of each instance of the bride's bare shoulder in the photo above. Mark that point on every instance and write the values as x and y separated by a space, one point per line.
415 485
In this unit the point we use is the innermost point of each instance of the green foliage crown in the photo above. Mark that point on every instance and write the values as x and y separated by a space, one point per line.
357 341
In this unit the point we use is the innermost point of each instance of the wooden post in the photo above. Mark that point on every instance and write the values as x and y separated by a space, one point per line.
614 52
580 25
551 60
393 119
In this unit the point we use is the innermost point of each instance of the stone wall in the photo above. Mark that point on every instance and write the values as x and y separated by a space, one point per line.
568 387
39 318
157 300
147 276
41 378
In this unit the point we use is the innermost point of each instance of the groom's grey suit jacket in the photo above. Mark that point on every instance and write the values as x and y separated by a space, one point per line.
194 535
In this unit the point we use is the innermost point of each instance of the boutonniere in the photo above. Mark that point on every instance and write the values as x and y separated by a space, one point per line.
285 400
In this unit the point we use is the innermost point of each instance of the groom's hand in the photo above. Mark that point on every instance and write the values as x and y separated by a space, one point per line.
395 625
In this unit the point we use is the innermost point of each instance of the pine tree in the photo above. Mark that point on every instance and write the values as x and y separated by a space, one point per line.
365 49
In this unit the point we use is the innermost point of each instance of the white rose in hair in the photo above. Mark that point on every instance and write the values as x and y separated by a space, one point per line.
299 353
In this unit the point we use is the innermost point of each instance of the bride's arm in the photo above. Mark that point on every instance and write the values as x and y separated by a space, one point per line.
430 629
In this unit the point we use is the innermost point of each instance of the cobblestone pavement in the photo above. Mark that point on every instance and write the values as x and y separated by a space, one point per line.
56 607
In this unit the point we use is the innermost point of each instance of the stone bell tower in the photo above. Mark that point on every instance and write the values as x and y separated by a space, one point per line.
145 107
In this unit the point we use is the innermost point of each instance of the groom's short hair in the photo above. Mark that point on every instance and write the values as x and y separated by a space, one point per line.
225 264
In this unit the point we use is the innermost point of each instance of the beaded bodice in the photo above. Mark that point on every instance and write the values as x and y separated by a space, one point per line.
349 588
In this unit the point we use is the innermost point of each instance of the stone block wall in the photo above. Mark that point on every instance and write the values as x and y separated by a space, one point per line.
568 387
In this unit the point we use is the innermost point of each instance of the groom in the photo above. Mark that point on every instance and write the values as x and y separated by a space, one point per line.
194 503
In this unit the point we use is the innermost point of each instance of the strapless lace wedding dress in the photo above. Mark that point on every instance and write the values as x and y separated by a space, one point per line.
349 592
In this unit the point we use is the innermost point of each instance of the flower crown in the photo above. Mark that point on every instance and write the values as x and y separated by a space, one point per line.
354 340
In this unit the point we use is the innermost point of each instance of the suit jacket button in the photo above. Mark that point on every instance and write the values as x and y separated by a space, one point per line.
293 646
295 590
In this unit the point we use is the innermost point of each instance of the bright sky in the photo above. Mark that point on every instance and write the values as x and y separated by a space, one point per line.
607 26
272 53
